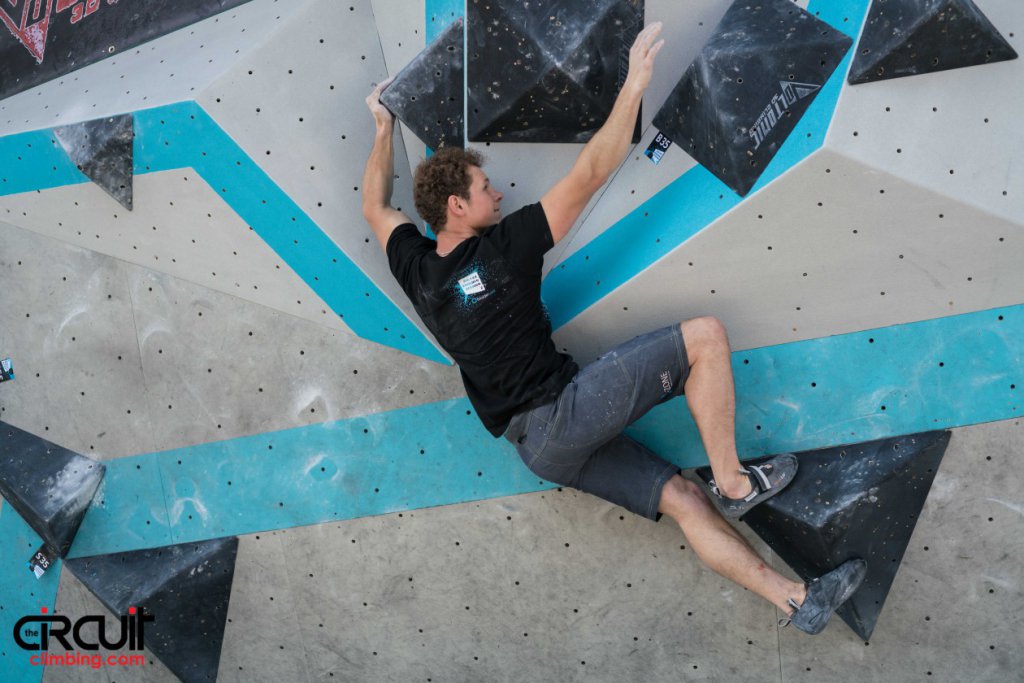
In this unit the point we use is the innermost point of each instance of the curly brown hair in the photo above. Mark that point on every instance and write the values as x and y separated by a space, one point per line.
444 174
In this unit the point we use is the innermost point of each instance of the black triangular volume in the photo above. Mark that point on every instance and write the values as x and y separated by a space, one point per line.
753 80
427 94
102 150
852 501
547 71
48 485
910 37
185 587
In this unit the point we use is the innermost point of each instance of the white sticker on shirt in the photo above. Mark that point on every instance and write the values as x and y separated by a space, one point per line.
472 284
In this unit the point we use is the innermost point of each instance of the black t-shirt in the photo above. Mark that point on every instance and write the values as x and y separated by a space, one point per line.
482 303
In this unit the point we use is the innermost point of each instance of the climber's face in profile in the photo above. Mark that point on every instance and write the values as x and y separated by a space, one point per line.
483 208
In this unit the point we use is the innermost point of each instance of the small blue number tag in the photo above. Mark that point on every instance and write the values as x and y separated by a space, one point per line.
656 150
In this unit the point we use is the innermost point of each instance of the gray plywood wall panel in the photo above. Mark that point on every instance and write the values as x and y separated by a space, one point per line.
400 24
955 132
218 367
265 616
172 68
311 77
115 359
636 181
830 247
73 598
66 318
179 226
550 586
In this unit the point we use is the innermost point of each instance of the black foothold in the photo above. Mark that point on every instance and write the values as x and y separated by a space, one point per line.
103 150
747 89
50 486
910 37
185 587
547 70
861 500
427 94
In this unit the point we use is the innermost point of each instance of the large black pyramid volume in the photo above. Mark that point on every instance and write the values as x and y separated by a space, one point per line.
48 485
852 501
427 94
185 587
547 70
747 89
102 150
909 37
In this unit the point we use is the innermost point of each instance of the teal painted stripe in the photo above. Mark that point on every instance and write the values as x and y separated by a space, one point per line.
690 203
183 135
22 593
791 397
428 455
440 13
31 161
937 374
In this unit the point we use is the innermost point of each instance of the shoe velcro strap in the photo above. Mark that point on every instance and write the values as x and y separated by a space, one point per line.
758 477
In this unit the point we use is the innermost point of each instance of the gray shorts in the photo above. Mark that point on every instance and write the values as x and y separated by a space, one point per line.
577 441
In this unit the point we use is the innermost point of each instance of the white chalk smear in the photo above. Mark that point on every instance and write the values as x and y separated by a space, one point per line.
1019 509
1002 583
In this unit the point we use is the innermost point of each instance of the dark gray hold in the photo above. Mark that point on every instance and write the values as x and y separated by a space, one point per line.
427 94
547 70
747 89
102 150
846 502
910 37
186 587
48 485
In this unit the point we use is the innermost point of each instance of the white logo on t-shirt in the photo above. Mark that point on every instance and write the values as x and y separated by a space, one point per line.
472 284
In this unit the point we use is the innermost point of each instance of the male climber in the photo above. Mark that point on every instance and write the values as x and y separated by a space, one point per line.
477 288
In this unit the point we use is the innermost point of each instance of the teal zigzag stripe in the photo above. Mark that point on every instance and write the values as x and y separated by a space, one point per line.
941 373
183 135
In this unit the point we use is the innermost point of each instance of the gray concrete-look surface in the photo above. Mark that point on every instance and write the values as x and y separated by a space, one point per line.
834 247
561 586
114 359
180 226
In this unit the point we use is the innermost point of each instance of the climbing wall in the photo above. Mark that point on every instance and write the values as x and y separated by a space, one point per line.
237 355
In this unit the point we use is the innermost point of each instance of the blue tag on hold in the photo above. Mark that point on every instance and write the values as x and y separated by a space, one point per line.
6 370
656 150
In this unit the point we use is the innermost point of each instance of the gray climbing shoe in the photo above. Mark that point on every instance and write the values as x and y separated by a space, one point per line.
825 594
766 479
